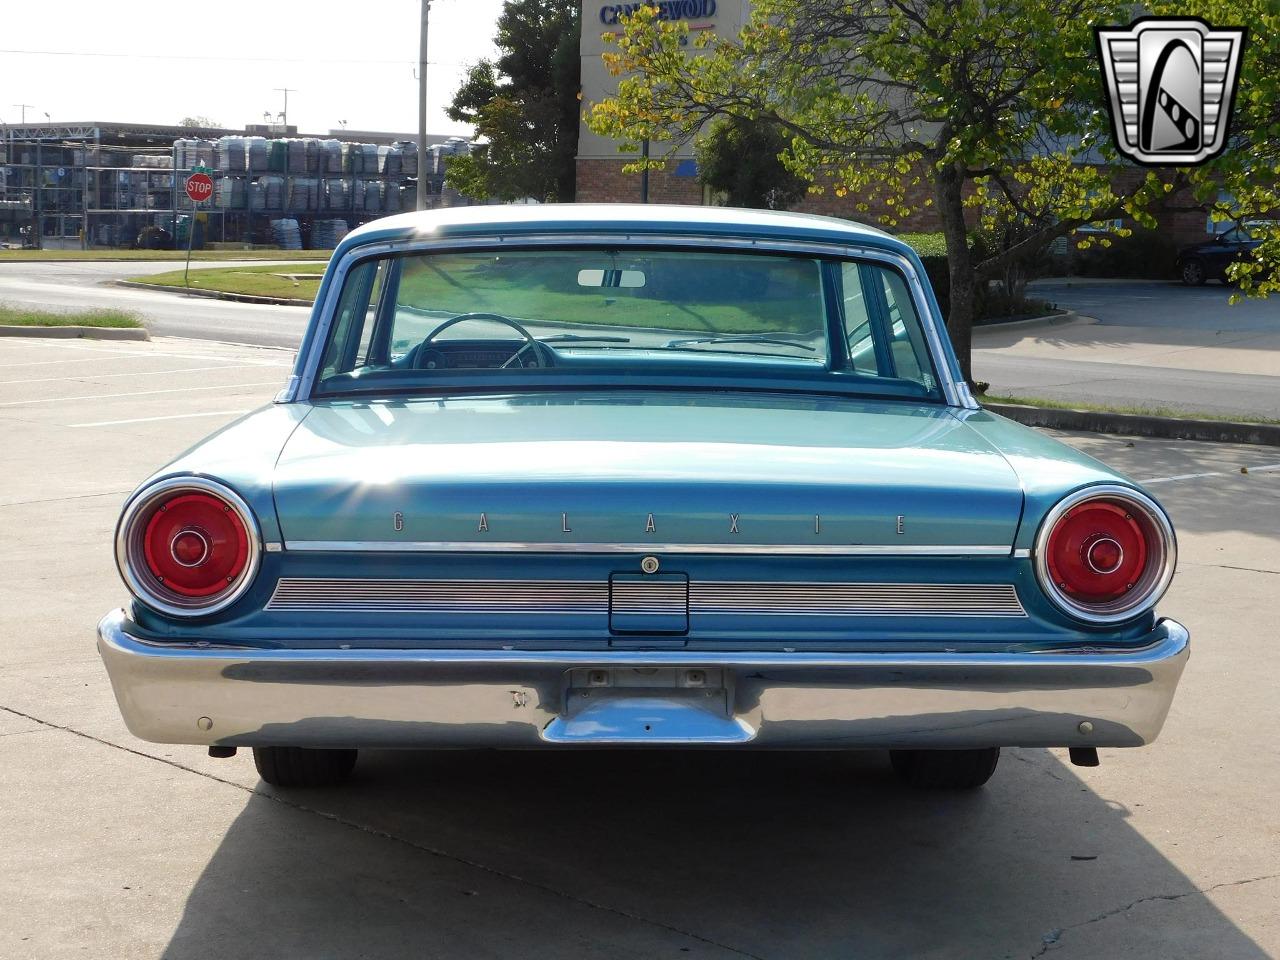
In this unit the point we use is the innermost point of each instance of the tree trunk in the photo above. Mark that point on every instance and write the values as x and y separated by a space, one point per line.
950 199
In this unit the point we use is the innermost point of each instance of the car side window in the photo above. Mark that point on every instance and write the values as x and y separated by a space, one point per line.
353 321
882 326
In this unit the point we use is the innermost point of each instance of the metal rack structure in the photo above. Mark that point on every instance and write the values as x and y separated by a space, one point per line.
99 184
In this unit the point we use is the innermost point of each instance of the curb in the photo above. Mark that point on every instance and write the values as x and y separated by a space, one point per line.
215 294
1065 318
1140 425
67 333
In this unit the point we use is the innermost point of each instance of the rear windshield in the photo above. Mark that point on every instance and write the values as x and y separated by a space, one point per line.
489 320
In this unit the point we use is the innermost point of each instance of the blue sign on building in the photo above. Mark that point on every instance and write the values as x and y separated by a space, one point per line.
667 10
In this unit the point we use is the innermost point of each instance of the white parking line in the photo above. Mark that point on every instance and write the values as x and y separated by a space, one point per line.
143 354
143 393
1263 468
174 416
141 373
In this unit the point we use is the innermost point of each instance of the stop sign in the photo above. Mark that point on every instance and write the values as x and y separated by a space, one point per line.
199 187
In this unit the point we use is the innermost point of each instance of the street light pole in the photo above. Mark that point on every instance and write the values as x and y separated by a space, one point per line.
422 109
284 117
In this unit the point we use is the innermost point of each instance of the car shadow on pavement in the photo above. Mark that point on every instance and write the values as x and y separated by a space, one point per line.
699 854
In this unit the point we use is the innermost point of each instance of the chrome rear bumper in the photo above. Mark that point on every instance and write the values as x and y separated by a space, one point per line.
184 693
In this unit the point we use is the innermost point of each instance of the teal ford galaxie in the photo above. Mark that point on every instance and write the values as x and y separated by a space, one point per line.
573 476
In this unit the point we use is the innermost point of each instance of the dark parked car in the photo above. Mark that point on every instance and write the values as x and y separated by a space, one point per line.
1209 260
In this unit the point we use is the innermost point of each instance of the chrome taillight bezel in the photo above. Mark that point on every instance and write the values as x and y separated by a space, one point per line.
131 561
1155 580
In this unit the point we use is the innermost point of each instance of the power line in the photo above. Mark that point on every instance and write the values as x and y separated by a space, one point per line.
174 56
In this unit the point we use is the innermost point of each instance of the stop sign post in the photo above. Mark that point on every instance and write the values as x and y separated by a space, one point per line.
199 187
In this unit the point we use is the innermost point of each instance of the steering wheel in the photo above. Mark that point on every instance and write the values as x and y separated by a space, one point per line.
531 342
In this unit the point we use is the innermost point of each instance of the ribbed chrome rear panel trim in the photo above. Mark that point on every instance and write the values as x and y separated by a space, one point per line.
708 598
310 595
855 599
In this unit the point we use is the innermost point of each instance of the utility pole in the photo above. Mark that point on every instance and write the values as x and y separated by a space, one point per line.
284 117
23 107
422 109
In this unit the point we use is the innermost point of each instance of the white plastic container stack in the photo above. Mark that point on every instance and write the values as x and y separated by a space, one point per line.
368 196
192 153
273 191
229 193
337 196
408 157
330 158
303 194
297 156
230 154
256 152
391 198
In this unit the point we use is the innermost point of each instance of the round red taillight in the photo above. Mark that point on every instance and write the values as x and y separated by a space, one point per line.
195 544
187 546
1105 553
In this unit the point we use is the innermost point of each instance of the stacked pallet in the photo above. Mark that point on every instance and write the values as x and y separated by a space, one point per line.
286 233
327 234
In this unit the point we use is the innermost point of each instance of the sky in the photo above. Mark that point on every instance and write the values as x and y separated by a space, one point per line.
158 62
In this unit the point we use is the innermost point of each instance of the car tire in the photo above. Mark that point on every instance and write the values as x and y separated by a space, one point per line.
302 766
1193 273
945 769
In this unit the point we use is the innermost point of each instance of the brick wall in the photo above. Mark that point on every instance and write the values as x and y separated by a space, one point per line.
602 181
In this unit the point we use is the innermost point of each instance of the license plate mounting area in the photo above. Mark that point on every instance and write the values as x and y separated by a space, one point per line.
647 705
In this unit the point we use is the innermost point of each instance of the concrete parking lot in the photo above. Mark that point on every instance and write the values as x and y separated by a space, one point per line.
117 848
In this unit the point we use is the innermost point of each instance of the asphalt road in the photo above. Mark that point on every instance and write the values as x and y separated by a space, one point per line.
1156 303
1215 393
78 285
123 849
1159 310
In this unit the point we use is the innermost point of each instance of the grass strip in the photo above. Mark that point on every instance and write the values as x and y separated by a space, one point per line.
292 281
1170 412
161 255
25 317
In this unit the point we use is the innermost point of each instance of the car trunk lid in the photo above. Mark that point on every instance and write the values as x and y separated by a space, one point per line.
631 473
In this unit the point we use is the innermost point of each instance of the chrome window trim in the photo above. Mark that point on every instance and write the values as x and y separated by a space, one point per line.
1151 591
137 582
302 385
761 549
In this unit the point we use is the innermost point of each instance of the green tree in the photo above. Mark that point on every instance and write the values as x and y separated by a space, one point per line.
524 106
994 107
743 160
200 121
1248 172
